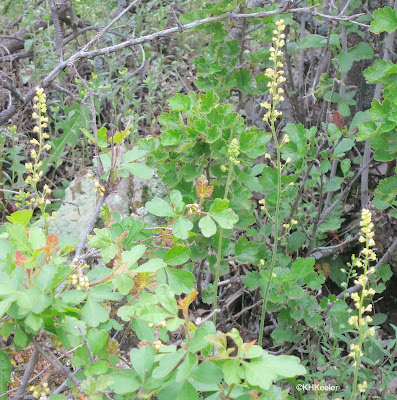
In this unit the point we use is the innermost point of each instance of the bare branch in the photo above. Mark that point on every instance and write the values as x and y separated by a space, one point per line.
26 376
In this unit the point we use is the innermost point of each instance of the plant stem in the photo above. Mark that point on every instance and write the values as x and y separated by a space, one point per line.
276 233
219 255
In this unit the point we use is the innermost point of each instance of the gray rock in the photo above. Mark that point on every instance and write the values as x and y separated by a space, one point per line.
74 214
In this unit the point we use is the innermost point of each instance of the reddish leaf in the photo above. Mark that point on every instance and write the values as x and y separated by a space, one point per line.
203 190
19 259
338 120
52 241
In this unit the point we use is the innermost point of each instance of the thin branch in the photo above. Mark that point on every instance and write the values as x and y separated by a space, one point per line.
15 92
45 82
91 356
58 39
343 194
55 363
26 376
88 229
107 27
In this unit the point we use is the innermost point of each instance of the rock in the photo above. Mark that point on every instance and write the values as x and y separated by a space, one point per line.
127 198
74 214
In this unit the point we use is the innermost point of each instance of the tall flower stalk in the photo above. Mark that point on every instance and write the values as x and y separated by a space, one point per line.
276 75
360 321
233 153
35 173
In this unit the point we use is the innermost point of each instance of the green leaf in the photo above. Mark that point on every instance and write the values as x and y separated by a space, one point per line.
345 166
380 110
385 19
244 80
33 323
180 102
177 255
75 326
154 313
160 208
343 146
246 252
123 283
102 138
257 376
181 228
185 368
27 45
150 266
207 372
231 371
125 382
314 280
177 201
208 100
21 217
179 280
226 218
384 272
27 299
167 299
367 130
219 205
5 305
334 184
387 189
133 255
96 340
302 267
46 277
142 359
252 280
21 340
296 135
177 391
167 363
138 169
312 40
171 137
58 397
5 373
295 241
93 313
362 51
97 368
207 226
133 155
379 70
73 297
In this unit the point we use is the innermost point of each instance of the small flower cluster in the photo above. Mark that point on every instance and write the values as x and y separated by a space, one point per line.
193 208
157 344
162 324
33 167
123 72
12 129
79 280
23 199
40 391
275 74
233 152
288 226
362 387
98 187
360 321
